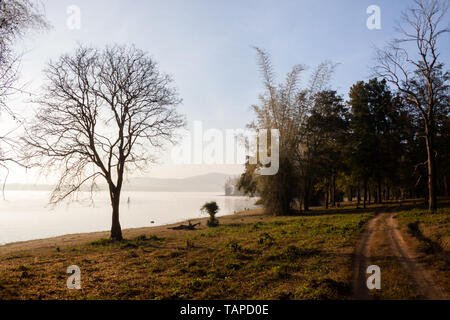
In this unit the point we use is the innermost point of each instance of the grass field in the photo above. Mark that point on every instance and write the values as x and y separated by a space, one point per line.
253 257
249 256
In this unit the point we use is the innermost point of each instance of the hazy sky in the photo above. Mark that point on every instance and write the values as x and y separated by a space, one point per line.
207 47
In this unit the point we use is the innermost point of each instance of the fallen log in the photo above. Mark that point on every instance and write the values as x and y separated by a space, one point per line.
185 227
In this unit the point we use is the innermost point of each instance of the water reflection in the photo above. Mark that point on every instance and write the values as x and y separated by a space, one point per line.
26 216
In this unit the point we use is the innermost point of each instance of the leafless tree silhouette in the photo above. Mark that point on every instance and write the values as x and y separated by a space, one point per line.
101 115
17 17
417 73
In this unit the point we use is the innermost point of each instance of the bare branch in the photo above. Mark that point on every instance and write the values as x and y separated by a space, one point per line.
101 115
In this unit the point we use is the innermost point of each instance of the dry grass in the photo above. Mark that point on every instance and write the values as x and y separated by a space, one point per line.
429 235
250 256
247 257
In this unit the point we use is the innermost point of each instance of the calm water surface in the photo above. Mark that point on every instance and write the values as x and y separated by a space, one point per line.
25 215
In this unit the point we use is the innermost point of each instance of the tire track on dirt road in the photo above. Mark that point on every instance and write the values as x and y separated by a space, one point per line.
361 260
406 258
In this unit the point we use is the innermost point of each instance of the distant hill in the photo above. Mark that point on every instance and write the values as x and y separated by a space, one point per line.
209 182
212 182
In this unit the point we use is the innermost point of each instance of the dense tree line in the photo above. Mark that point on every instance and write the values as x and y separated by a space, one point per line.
369 149
388 141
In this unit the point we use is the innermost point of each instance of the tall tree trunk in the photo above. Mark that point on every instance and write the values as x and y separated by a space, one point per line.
431 166
358 195
365 194
306 202
306 196
116 229
446 186
334 192
380 200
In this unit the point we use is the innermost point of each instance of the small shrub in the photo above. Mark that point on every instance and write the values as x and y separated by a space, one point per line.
211 208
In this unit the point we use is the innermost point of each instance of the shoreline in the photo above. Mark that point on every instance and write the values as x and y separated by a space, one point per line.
82 238
22 232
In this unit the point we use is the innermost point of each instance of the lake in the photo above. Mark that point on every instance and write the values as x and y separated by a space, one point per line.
25 215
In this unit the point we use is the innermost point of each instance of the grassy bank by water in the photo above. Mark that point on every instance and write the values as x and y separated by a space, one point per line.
249 256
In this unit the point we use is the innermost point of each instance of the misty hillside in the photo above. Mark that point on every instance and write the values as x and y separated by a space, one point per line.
213 182
208 182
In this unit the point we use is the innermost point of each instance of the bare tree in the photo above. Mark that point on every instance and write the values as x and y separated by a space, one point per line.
17 17
411 63
101 115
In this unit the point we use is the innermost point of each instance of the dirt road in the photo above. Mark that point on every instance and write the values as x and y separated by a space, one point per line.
382 241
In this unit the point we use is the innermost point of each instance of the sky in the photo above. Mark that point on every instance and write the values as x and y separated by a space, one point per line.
207 47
